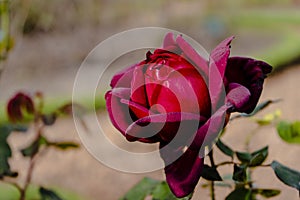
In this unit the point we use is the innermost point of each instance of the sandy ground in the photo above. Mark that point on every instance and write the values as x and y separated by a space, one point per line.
79 171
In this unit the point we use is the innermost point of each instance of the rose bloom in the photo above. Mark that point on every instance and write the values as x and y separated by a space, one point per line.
183 101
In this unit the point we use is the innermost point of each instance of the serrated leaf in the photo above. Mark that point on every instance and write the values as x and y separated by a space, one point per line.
267 193
259 156
48 194
5 152
64 145
244 157
288 176
240 194
141 189
239 173
210 173
34 147
224 148
289 132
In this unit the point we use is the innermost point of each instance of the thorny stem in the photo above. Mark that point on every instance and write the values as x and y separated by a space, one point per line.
212 185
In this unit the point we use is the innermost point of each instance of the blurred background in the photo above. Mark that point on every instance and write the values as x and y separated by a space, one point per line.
50 40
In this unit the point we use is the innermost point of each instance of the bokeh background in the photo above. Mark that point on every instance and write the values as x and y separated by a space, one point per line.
52 38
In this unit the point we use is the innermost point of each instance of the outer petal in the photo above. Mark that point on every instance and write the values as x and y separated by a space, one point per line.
118 112
249 73
217 66
182 126
182 175
123 78
193 56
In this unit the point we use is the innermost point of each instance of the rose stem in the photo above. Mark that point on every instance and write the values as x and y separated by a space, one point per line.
212 185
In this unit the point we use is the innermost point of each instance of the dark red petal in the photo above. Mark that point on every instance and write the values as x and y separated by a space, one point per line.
237 95
119 112
192 55
182 175
166 126
249 73
18 104
123 78
217 66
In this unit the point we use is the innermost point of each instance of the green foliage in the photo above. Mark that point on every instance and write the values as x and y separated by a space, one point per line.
48 194
224 148
240 194
239 173
141 189
5 150
289 132
34 147
288 176
255 158
257 109
210 173
157 190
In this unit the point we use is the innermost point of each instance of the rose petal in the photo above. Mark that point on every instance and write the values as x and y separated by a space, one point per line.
238 96
182 175
118 112
123 78
166 126
169 40
191 53
138 87
251 74
208 132
217 66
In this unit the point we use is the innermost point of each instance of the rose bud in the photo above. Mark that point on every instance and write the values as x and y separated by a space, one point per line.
18 106
181 100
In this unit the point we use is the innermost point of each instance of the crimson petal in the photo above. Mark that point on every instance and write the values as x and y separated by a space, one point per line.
182 175
217 66
177 127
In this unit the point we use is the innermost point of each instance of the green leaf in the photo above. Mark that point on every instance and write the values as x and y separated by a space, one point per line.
210 173
267 193
244 157
5 152
48 194
289 132
258 157
240 194
64 145
288 176
224 148
258 108
34 147
141 189
163 192
239 173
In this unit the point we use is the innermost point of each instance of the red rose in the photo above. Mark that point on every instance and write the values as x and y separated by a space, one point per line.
181 100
